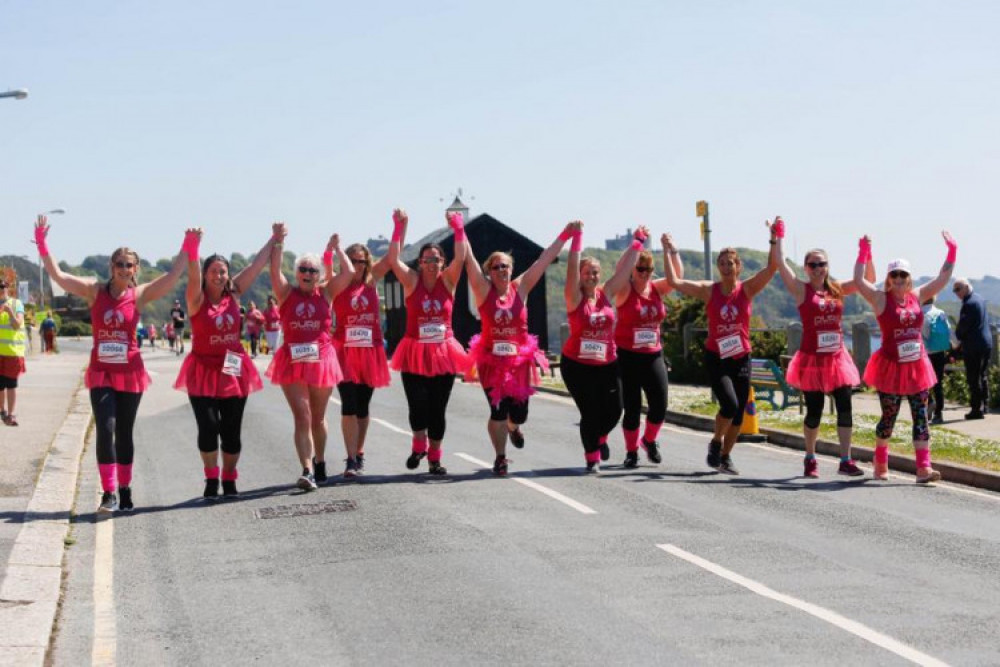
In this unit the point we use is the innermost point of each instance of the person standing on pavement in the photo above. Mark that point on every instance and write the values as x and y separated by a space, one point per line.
116 376
976 343
727 349
12 342
936 333
900 368
48 329
179 320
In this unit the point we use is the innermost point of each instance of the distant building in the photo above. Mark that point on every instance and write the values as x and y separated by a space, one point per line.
378 246
622 242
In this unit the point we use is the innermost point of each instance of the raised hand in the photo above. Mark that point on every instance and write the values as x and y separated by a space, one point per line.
777 228
454 220
641 233
279 231
667 241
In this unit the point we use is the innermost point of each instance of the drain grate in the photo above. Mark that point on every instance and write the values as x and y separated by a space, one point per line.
285 511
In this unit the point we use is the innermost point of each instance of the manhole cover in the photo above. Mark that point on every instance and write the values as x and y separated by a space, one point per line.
284 511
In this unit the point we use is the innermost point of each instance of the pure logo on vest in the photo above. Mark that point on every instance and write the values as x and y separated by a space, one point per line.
907 317
114 317
359 302
728 312
503 315
305 311
224 321
431 305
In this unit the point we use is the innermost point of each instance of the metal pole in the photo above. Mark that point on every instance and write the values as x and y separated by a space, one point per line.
708 245
18 94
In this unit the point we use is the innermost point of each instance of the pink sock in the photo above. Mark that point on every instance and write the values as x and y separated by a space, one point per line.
592 457
212 473
434 455
107 472
631 439
923 457
603 440
229 475
882 454
419 445
124 474
652 430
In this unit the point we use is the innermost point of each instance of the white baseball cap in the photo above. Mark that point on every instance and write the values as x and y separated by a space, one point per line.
899 265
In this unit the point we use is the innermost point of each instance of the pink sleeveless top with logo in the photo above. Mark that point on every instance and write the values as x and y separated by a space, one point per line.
901 365
429 347
358 338
821 363
729 323
821 332
592 332
218 366
639 319
115 360
307 355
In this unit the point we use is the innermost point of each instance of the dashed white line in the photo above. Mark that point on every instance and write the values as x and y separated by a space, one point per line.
105 638
831 617
555 495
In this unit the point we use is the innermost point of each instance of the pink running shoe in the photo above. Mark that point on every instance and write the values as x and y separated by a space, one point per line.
811 468
880 471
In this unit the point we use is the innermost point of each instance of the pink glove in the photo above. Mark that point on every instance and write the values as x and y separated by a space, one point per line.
577 244
952 249
328 258
455 222
864 251
778 228
191 243
397 230
43 246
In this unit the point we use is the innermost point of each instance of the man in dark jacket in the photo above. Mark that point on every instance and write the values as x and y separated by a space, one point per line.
976 343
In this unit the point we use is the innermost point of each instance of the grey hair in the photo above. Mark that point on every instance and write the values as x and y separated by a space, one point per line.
962 282
310 259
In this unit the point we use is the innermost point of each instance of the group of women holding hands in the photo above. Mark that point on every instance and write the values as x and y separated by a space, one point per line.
612 358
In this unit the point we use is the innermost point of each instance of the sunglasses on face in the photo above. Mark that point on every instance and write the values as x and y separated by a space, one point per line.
124 265
308 269
431 260
499 267
359 261
644 269
816 265
898 274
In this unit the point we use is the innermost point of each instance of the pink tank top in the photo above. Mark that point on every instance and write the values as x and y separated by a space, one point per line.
114 322
272 319
821 332
901 325
591 332
357 311
215 328
504 321
729 323
639 319
306 319
428 314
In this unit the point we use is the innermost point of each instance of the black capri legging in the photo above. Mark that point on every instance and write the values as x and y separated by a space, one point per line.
597 392
427 397
355 399
219 419
814 407
643 372
515 411
730 381
114 418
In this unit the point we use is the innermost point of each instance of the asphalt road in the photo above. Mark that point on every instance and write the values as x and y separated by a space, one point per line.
668 564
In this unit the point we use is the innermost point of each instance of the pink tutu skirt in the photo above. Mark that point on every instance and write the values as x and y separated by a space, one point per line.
203 376
363 365
507 377
322 373
892 377
130 381
809 371
447 358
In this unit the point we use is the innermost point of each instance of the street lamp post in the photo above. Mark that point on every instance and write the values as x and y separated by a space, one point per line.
18 94
41 268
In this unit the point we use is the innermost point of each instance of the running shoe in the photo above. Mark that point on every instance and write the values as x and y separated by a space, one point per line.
125 499
652 451
605 451
880 471
726 465
229 488
413 460
975 414
517 438
937 420
351 471
811 466
927 476
435 468
631 460
108 503
319 471
593 467
360 458
714 457
850 468
500 466
306 482
211 489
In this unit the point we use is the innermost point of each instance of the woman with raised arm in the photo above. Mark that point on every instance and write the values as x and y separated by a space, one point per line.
822 365
900 368
218 375
589 361
116 376
727 349
641 311
360 348
428 356
306 364
506 356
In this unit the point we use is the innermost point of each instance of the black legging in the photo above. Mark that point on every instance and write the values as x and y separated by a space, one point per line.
977 365
643 372
938 360
730 381
597 392
515 411
814 407
219 419
354 399
254 339
427 397
114 418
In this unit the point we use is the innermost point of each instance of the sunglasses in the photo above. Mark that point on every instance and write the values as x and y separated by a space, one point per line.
124 265
499 267
898 274
644 269
816 265
431 260
359 261
307 269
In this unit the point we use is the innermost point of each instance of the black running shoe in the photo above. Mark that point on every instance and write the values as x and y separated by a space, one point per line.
211 489
605 451
631 460
229 488
500 466
319 471
360 458
652 451
108 503
517 438
125 499
714 457
435 468
351 469
593 467
726 466
413 460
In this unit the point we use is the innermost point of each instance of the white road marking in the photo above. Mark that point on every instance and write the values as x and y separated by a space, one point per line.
555 495
831 617
105 639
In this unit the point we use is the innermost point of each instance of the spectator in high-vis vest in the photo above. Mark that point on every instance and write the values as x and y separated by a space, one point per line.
12 341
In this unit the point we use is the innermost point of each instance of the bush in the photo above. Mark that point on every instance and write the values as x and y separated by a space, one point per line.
74 328
956 389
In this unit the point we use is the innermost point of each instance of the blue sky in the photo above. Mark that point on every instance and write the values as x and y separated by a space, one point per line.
844 117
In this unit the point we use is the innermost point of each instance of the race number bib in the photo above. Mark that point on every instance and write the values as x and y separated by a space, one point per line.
112 353
729 346
432 333
358 337
594 350
645 338
828 342
233 364
504 349
908 351
302 352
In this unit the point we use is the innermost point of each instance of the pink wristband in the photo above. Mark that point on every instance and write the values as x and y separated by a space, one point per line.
864 252
637 245
565 235
43 246
190 246
577 244
952 253
328 258
460 234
